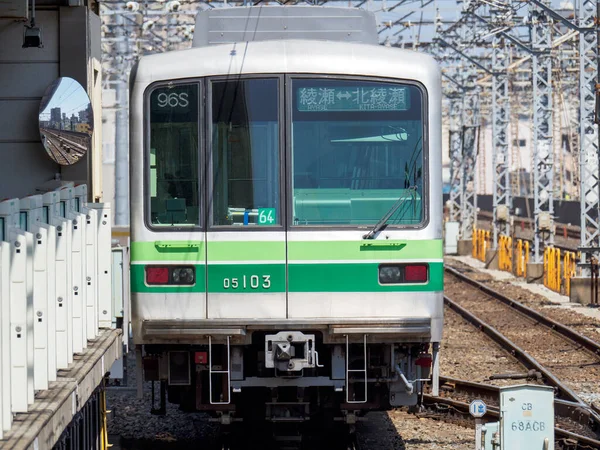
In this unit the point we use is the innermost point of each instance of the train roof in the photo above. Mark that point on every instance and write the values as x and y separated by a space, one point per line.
262 23
290 56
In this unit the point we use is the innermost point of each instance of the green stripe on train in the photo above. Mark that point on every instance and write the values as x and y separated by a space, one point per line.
355 278
217 251
194 251
365 249
257 278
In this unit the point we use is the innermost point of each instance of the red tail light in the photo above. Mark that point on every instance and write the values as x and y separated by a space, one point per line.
157 275
424 360
415 273
201 357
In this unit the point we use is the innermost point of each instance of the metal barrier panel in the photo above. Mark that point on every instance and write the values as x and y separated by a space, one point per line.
64 343
552 269
118 293
40 308
521 258
5 397
481 240
569 270
55 293
29 316
546 268
505 253
78 291
91 266
51 299
104 264
18 321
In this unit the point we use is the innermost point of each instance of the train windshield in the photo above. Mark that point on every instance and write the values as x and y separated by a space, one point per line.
357 149
174 154
245 152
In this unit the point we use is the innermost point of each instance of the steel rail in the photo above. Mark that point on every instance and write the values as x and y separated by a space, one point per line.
521 355
563 408
553 325
493 413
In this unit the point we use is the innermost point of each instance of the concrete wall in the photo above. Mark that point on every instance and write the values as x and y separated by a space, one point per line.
24 75
71 38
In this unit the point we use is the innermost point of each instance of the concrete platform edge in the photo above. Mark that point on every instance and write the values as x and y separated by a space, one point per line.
55 408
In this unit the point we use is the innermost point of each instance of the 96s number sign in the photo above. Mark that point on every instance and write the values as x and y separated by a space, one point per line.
173 100
248 282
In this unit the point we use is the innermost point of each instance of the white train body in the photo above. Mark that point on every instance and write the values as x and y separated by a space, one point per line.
259 173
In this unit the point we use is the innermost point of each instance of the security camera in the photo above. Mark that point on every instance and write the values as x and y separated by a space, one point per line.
32 36
133 6
173 5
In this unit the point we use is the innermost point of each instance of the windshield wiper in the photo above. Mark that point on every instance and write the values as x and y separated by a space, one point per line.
383 221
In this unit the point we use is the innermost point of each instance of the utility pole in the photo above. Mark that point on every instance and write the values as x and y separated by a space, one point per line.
500 123
456 157
589 60
122 130
543 170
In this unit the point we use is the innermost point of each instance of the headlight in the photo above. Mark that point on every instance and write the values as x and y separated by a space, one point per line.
403 273
183 275
168 275
390 274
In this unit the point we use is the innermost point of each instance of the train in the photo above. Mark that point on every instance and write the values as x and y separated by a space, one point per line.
286 218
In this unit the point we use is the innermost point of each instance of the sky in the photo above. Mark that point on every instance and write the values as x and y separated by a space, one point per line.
69 96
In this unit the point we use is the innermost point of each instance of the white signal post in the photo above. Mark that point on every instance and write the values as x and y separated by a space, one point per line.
477 408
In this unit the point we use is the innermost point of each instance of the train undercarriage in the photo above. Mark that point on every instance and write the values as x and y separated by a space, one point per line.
289 381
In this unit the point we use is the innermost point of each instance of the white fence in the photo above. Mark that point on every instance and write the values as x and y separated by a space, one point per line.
55 289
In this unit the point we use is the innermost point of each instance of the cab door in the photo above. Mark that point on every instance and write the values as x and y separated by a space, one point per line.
168 267
246 239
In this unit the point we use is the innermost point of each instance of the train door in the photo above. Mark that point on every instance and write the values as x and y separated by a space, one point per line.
168 254
246 239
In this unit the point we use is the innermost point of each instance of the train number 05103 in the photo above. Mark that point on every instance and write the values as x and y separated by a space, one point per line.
248 282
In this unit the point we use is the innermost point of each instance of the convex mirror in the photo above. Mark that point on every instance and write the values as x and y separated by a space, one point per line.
66 121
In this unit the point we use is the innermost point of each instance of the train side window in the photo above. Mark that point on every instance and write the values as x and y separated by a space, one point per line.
174 189
245 153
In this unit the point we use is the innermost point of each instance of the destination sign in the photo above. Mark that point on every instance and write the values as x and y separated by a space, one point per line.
315 99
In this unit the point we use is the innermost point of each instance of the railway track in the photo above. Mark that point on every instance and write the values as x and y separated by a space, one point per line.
457 411
67 147
557 354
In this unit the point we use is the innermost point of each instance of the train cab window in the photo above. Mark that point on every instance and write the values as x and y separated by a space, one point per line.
245 153
173 156
357 150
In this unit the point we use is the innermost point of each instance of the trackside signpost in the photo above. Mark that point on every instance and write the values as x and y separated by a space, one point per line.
477 408
526 420
527 417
